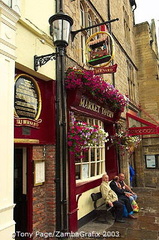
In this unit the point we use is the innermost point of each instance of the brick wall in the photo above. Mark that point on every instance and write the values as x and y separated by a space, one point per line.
44 196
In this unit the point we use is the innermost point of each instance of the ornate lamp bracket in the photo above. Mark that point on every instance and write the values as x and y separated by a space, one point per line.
43 59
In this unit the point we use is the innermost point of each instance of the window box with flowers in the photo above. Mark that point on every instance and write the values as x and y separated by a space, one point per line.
95 88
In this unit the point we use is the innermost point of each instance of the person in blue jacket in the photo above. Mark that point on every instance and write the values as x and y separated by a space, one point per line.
132 174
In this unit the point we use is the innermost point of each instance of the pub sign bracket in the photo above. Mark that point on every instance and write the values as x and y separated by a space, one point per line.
43 59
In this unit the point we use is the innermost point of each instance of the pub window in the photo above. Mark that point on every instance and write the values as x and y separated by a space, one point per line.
82 18
126 25
89 24
131 83
93 163
96 29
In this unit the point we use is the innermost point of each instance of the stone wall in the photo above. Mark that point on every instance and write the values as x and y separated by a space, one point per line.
147 63
124 47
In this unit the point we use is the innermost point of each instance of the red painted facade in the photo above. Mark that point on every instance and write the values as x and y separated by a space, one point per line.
39 143
109 118
45 134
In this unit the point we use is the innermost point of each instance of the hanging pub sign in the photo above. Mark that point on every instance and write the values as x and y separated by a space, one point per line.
27 101
104 70
100 52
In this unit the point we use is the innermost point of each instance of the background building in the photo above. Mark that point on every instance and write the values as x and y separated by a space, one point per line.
147 62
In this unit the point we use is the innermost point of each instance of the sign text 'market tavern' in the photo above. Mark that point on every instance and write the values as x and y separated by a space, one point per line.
85 103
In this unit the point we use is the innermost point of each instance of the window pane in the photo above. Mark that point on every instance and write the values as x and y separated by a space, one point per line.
99 168
98 154
85 158
78 172
93 154
93 173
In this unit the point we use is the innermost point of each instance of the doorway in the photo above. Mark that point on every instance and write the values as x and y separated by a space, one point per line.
20 189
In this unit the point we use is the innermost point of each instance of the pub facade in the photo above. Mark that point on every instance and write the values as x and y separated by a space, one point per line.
86 166
28 106
30 205
84 56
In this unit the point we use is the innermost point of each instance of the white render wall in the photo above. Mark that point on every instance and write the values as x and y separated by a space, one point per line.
8 20
33 37
24 32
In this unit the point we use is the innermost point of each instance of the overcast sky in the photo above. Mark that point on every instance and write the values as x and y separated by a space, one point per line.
146 10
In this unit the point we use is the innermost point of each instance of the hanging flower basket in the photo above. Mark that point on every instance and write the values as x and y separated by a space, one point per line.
82 136
96 88
125 142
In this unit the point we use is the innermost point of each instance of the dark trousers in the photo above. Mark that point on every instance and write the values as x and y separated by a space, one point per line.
118 209
126 201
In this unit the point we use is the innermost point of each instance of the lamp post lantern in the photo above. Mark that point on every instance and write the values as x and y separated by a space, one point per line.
60 28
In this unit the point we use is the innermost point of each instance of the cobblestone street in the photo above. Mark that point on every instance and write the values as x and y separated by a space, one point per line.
145 227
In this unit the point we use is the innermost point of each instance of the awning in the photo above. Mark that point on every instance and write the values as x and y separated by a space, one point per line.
148 129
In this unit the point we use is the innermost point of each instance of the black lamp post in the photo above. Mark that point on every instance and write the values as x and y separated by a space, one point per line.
60 28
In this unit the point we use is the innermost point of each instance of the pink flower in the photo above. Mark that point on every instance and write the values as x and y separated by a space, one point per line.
81 136
95 86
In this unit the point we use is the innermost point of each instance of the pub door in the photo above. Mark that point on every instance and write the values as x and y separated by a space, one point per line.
20 189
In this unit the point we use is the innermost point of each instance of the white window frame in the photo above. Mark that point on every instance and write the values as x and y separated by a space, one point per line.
93 166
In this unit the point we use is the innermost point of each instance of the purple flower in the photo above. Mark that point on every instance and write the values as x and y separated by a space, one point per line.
81 136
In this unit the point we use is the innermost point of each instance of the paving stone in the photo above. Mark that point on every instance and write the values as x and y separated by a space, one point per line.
145 227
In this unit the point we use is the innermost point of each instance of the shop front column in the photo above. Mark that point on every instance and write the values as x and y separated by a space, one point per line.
8 20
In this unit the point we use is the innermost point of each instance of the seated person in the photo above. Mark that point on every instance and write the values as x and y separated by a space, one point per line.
126 187
116 180
123 196
111 198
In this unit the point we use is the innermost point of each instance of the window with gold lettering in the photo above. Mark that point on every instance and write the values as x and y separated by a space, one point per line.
27 98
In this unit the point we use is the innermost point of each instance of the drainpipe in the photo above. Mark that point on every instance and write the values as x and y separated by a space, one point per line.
113 80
